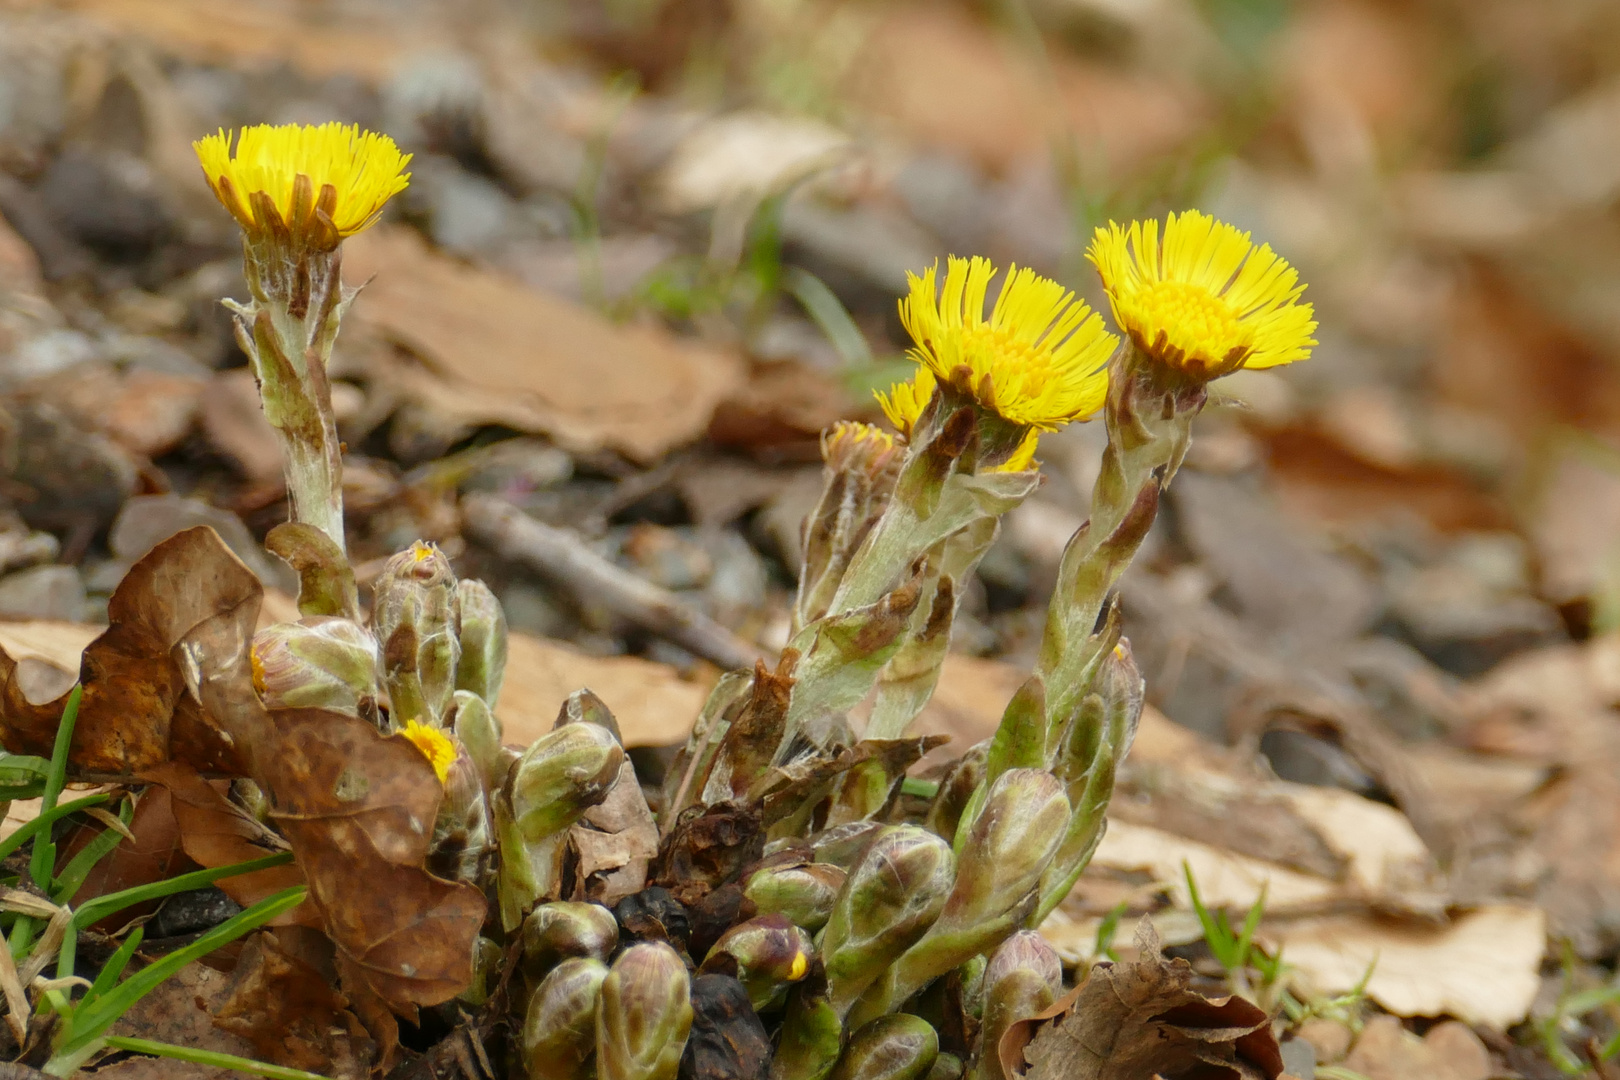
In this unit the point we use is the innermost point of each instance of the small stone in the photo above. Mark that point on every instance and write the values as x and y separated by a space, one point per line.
1330 1038
43 592
1461 1053
20 548
665 557
148 520
65 476
50 353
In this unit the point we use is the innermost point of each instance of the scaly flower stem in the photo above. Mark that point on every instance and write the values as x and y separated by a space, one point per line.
287 331
1149 417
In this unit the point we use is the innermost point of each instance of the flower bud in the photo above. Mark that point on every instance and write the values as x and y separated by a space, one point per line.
1023 977
770 952
946 1067
863 463
805 892
461 833
481 630
565 929
559 1030
891 897
584 707
319 663
1097 739
897 1047
1023 821
997 877
644 1016
479 731
561 775
413 614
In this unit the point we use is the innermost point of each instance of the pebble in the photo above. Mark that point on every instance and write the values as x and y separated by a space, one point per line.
43 592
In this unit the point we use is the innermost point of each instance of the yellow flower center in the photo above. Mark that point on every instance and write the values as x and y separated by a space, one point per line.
801 964
435 746
1198 295
256 663
1194 322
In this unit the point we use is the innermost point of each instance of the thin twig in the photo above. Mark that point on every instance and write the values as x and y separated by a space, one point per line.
559 555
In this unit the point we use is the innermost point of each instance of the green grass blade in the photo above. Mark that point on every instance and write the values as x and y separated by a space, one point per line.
79 867
114 967
44 858
209 1057
45 819
89 1022
830 315
95 910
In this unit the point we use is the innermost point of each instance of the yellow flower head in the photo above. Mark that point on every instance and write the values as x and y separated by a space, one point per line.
1203 299
328 181
434 744
1040 359
850 445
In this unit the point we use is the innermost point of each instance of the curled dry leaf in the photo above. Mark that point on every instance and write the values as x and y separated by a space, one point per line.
614 842
282 999
135 713
215 832
358 807
1141 1019
709 848
155 854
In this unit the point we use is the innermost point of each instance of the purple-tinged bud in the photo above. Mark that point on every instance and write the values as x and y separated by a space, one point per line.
804 892
896 1047
559 1030
561 775
891 897
564 930
321 662
1023 977
771 954
644 1015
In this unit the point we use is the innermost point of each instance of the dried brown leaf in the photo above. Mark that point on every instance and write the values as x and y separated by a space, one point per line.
215 832
1141 1019
283 1000
615 841
358 807
709 849
131 716
496 351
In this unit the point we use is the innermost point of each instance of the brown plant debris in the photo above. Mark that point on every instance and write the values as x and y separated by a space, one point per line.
1140 1019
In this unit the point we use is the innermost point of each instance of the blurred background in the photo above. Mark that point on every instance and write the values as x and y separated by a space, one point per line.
652 247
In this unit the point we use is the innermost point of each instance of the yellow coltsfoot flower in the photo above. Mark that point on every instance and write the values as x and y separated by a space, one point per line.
434 744
905 401
316 183
1039 360
1202 298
